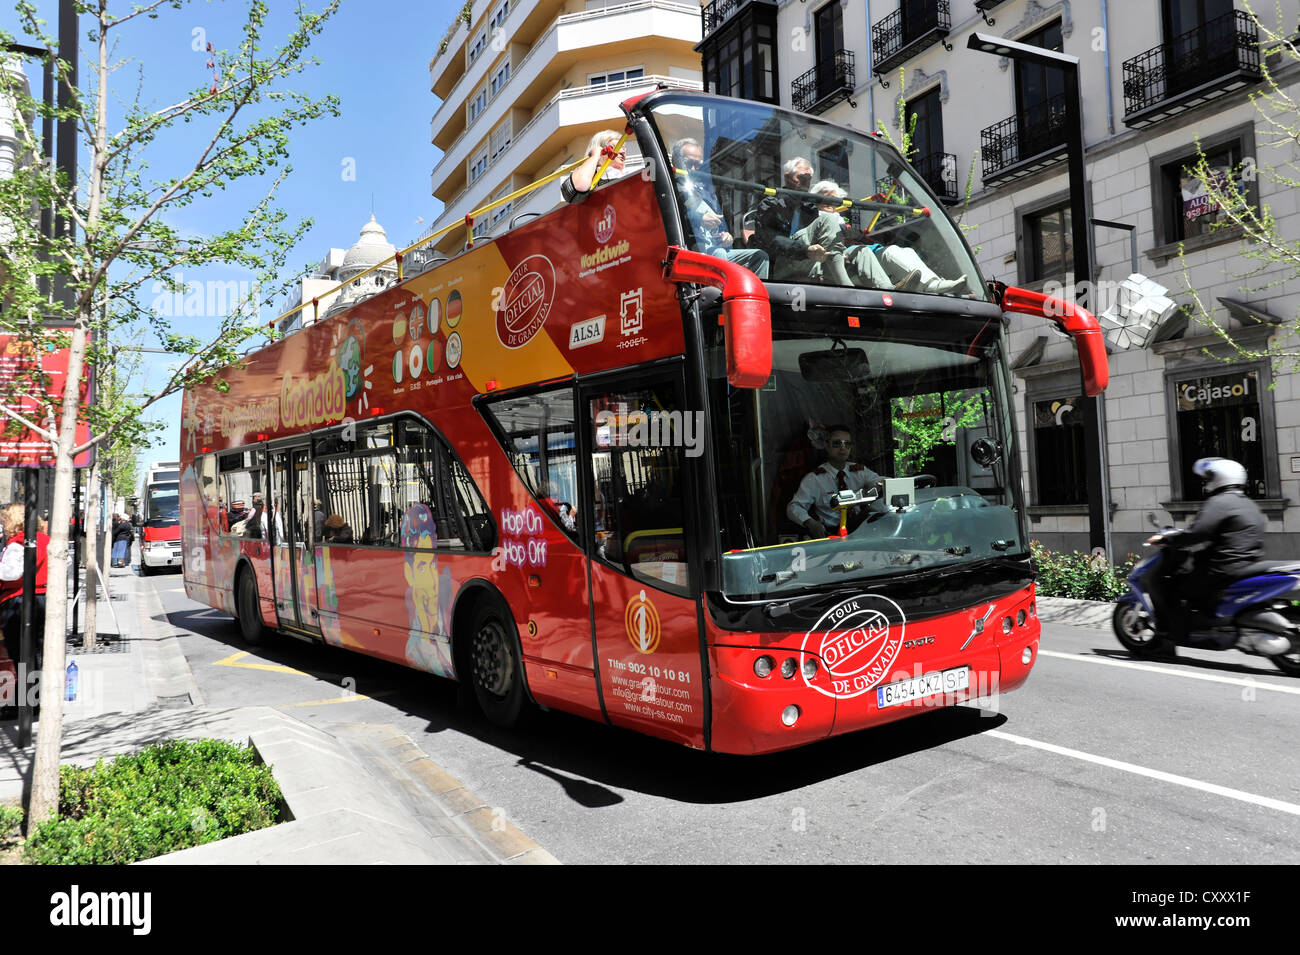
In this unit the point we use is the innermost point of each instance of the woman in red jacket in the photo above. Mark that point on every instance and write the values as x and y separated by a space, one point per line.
12 519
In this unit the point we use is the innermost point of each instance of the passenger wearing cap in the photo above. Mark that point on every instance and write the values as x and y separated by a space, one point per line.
238 511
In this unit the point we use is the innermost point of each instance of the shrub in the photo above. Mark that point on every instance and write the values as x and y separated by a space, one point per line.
1076 575
11 817
169 796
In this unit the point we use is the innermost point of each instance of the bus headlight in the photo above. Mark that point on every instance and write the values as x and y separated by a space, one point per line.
789 715
763 667
1026 655
789 668
810 668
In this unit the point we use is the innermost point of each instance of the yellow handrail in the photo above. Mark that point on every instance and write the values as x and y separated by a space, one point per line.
468 223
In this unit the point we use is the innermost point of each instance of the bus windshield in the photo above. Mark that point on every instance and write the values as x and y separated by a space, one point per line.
794 199
163 505
909 416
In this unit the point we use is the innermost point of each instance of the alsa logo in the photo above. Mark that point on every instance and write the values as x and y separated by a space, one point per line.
587 333
526 300
857 640
604 227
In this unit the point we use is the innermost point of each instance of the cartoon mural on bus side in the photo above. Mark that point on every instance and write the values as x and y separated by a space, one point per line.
428 595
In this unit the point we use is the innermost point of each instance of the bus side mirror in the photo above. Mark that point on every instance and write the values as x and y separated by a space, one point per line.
746 311
1074 320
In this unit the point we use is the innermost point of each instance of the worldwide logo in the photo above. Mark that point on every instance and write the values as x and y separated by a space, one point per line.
604 227
526 301
857 640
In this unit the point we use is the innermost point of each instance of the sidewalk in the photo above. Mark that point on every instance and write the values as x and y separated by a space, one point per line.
362 793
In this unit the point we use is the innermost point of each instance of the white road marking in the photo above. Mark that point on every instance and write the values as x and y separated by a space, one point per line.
1265 801
1171 671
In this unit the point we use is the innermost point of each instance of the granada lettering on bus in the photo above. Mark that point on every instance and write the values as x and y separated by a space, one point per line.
312 400
525 302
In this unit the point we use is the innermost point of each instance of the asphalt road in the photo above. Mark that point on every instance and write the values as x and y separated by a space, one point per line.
1098 759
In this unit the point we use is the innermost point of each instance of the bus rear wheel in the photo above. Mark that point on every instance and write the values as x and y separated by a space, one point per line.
496 670
250 610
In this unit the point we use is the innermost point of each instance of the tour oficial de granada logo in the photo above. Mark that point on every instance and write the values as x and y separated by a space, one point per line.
605 225
526 300
857 640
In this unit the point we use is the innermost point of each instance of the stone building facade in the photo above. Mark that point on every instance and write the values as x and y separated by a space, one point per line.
1158 77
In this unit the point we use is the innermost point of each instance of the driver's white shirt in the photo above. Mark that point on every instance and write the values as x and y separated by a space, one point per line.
813 499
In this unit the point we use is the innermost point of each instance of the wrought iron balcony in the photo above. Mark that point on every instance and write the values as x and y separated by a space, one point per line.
1026 142
718 12
826 84
897 38
1216 58
939 170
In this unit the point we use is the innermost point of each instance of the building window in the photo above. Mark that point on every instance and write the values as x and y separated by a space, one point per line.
1049 252
499 141
478 104
478 46
619 76
1184 207
499 17
927 134
499 79
479 166
828 31
740 60
1219 414
1058 451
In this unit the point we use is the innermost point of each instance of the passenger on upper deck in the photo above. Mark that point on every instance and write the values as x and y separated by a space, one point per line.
700 205
811 505
576 186
874 265
790 230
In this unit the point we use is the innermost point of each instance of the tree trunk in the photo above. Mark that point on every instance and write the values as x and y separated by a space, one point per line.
91 524
49 739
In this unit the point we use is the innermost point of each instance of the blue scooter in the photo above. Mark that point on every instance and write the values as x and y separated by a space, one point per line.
1256 614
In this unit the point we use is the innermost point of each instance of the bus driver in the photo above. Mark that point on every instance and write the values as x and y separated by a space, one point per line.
811 506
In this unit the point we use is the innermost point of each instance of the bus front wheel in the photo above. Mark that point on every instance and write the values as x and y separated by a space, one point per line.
250 610
496 671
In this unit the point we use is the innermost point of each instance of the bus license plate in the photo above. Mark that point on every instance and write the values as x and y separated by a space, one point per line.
929 684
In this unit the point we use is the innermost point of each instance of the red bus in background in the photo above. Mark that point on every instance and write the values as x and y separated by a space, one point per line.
160 517
559 465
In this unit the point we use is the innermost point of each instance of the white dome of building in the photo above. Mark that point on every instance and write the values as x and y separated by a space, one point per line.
371 249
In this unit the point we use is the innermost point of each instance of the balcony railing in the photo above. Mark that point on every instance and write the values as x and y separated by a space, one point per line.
718 12
939 170
826 84
1217 57
1025 142
897 38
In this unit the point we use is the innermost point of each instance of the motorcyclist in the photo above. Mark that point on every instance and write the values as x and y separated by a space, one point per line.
1227 537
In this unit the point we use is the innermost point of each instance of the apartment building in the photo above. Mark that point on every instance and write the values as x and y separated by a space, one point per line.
523 84
1157 77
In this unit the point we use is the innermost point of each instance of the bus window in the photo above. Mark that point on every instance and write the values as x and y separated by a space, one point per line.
537 434
638 507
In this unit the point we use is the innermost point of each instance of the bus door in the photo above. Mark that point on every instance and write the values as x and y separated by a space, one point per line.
637 437
290 525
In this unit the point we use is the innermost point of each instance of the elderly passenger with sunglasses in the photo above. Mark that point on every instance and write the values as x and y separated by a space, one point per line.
576 186
795 236
812 507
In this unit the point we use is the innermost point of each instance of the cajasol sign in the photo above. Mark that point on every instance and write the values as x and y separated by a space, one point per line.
1218 391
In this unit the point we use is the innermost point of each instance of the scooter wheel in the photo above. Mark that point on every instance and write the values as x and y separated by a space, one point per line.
1288 663
1134 631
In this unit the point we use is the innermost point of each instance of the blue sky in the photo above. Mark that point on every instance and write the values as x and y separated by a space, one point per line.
374 56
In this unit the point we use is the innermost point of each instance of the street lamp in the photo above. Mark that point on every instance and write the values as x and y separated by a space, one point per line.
1094 443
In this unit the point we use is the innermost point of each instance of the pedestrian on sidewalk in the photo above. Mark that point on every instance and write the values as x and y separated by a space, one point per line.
122 534
13 519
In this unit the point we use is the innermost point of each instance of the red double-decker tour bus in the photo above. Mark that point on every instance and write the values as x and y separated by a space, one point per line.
721 454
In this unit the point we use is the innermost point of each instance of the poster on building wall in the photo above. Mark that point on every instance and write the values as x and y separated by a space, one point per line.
1197 201
31 390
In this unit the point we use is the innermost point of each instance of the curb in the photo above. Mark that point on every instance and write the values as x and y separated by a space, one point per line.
1075 613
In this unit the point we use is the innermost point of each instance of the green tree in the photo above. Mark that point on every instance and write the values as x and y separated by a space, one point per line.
1269 252
121 241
